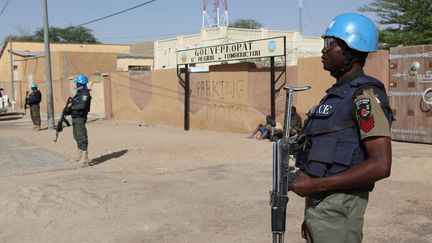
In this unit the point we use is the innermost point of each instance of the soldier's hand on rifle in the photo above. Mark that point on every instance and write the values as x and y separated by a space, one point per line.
304 185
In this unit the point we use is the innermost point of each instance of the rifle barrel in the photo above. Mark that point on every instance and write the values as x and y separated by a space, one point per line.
278 237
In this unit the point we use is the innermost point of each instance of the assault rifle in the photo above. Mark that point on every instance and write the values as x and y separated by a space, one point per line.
62 119
25 103
283 173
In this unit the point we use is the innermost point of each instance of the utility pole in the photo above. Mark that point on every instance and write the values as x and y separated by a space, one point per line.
49 90
12 90
300 16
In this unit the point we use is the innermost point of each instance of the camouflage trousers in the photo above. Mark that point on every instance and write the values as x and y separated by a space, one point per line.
35 114
80 132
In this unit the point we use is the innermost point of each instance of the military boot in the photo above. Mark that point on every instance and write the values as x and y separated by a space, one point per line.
37 127
77 156
34 127
83 161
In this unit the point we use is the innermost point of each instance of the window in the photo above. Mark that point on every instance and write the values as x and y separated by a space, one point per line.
139 68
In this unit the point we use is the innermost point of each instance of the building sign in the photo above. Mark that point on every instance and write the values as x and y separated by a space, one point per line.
233 51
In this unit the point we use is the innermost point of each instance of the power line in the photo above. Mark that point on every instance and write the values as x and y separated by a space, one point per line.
142 4
311 19
4 7
149 36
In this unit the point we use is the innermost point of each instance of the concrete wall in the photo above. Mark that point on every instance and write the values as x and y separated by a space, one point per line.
149 98
234 97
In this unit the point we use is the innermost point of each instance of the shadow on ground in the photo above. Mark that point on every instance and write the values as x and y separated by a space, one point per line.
106 157
11 116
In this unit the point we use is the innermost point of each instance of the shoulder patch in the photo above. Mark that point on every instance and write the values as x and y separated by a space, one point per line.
364 114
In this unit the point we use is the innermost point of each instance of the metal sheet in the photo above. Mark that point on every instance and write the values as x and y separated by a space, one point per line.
410 76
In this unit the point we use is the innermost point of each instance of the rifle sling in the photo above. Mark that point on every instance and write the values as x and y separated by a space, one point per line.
66 122
334 128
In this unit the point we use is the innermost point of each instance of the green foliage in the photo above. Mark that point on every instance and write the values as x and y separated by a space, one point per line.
71 34
246 24
407 22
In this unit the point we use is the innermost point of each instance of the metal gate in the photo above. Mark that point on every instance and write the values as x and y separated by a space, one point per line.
410 93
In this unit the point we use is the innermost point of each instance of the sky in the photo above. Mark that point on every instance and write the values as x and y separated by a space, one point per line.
162 19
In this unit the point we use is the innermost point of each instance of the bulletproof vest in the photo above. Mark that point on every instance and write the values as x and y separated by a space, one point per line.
34 98
78 99
333 147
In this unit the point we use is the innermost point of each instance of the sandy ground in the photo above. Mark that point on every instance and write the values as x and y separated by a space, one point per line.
163 184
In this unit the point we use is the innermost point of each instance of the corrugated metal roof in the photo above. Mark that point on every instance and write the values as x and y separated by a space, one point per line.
29 53
132 55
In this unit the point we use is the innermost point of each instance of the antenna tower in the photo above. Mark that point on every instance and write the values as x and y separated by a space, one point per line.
215 20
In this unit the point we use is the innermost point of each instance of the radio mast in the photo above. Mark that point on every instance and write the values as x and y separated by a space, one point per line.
215 20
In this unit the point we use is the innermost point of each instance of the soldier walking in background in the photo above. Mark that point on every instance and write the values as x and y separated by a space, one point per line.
33 100
79 110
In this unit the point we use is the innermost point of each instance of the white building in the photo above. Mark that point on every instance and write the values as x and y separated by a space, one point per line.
297 46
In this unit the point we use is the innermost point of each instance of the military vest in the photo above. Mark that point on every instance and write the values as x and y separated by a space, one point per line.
333 139
77 100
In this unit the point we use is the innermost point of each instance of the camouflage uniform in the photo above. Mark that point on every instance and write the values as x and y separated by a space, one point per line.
79 110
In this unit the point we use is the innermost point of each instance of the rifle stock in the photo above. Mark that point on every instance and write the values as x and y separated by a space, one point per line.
25 103
62 119
283 173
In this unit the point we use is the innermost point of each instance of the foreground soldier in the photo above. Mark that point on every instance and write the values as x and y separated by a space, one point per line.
33 100
348 137
79 110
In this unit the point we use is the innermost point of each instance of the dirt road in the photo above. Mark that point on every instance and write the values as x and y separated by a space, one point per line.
162 184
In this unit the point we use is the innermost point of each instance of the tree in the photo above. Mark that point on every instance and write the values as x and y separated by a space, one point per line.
69 34
408 22
246 24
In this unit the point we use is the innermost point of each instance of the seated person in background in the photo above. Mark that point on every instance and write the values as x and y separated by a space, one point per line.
296 121
274 130
264 130
296 126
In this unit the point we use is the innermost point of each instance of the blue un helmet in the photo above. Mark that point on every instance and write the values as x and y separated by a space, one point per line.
356 30
34 86
81 79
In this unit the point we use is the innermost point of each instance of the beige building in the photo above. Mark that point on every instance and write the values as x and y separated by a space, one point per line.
139 58
67 60
297 46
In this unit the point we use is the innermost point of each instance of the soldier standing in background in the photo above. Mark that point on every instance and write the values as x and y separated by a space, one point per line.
79 110
33 100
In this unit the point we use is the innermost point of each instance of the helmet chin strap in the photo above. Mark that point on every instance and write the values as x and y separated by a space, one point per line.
338 73
349 62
